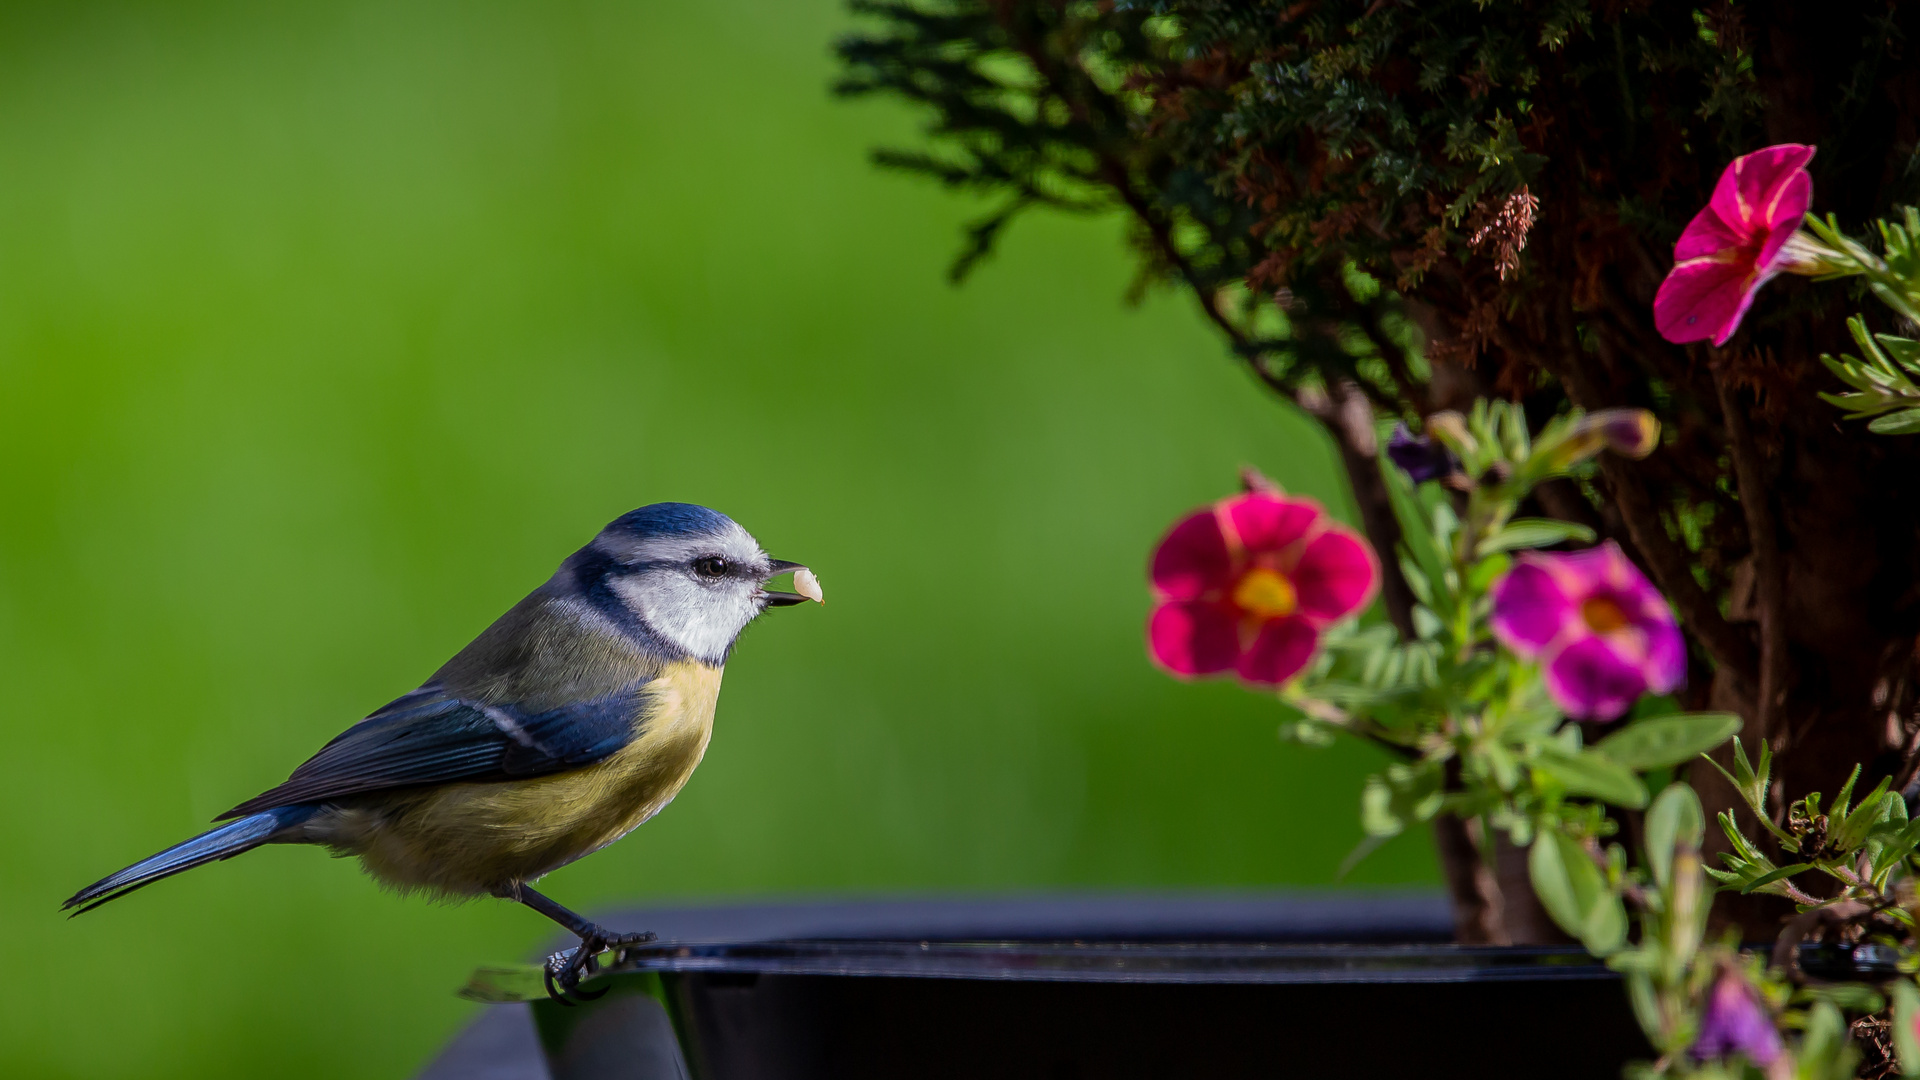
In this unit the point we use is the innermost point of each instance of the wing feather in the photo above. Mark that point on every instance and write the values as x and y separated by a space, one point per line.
433 737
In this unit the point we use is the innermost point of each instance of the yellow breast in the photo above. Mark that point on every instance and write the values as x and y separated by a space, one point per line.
474 838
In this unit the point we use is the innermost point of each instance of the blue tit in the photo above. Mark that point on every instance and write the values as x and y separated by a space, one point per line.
576 716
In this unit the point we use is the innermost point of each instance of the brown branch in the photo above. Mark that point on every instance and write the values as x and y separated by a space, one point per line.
1346 413
1478 904
1769 572
1786 946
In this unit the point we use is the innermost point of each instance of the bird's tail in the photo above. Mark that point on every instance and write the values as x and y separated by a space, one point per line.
222 843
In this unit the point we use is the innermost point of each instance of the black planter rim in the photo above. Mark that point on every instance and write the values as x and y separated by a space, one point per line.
1121 961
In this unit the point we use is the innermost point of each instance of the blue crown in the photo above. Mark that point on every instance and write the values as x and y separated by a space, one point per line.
670 519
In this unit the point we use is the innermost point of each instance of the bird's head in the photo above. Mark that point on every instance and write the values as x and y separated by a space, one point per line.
691 575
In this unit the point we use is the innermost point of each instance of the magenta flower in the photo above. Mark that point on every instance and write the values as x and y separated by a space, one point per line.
1601 632
1248 584
1734 245
1736 1022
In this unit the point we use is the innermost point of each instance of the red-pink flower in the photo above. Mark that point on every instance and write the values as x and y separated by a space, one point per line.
1248 584
1735 245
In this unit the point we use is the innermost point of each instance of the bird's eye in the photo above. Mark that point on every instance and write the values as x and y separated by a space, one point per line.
712 566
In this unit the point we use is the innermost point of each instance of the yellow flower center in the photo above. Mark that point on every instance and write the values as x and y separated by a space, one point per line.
1603 616
1265 593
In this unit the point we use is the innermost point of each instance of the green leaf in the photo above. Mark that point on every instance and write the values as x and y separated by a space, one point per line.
1674 821
1824 1053
1750 782
1486 572
499 985
1842 801
1552 884
1775 875
1905 351
1593 774
1575 893
1906 1004
1533 533
1850 997
1898 846
1904 422
1851 832
1668 740
1403 794
1416 528
1646 1003
1377 816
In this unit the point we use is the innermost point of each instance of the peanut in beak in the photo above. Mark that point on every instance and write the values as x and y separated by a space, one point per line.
808 586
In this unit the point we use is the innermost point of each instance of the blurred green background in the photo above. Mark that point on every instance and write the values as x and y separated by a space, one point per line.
328 330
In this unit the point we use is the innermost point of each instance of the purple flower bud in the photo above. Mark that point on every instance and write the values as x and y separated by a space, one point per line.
1628 432
1422 459
1735 1022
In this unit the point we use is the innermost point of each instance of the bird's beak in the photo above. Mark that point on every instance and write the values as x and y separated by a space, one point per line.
803 580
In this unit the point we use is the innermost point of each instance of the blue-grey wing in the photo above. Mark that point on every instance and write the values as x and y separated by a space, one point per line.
432 737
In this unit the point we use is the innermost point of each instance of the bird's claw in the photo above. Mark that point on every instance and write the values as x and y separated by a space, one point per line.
564 970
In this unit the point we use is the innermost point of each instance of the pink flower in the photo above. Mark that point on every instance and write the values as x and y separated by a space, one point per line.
1601 632
1248 584
1734 246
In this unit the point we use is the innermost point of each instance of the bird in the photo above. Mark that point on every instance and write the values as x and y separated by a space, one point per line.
572 719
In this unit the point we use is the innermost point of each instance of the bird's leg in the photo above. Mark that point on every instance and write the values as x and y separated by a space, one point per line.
564 969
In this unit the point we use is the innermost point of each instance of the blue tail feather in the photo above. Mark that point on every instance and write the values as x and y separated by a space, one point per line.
222 843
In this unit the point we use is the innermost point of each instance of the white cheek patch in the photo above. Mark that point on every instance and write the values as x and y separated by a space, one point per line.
699 619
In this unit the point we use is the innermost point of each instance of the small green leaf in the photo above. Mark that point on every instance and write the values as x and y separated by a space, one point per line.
1904 422
1533 533
1674 821
1548 872
1906 1004
1416 528
1668 740
1593 774
1776 875
1646 1003
1376 809
1898 846
1824 1051
1842 801
1575 893
499 985
1905 351
1851 997
1848 834
1487 571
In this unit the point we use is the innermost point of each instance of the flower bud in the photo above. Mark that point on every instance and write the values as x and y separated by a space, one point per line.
1628 432
1451 429
1422 459
1735 1022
